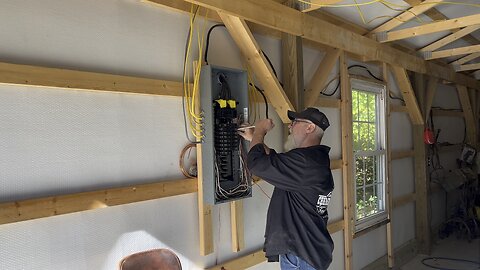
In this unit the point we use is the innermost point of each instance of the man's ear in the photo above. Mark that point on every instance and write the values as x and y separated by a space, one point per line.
311 128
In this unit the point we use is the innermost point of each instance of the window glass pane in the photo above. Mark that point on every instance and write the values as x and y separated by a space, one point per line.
360 171
363 106
372 136
356 141
370 170
360 202
372 108
355 105
371 206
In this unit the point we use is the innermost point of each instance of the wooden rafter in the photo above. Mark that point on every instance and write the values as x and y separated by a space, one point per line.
320 77
406 16
436 15
241 34
285 19
429 28
468 114
452 52
466 59
429 95
450 38
467 67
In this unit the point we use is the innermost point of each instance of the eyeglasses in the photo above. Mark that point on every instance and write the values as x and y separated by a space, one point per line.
299 120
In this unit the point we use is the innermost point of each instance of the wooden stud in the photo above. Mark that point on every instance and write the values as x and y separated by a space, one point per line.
259 64
406 16
408 95
66 79
469 114
453 52
236 218
288 20
450 38
205 226
466 59
64 204
431 28
320 77
347 157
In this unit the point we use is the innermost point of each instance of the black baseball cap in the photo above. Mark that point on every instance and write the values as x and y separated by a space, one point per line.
312 114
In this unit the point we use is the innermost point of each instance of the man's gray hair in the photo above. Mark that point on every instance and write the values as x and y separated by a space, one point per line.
319 133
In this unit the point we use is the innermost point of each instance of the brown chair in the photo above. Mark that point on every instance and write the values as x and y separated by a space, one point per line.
155 259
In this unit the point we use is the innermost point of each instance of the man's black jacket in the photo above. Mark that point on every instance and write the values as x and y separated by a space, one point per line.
297 215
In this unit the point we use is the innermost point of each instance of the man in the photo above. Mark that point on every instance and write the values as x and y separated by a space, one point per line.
297 216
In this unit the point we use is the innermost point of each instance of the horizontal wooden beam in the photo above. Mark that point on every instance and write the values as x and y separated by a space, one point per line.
73 79
64 204
243 262
429 28
448 113
466 59
328 102
450 38
336 164
452 52
288 20
402 200
467 67
406 16
398 108
402 154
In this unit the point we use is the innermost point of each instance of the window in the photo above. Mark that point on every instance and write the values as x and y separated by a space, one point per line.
369 147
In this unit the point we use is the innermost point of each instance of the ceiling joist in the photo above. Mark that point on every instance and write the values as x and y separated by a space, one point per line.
428 28
466 59
467 67
406 16
288 20
450 38
452 52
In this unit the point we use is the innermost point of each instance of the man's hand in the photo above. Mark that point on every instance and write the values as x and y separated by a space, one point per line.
246 133
263 126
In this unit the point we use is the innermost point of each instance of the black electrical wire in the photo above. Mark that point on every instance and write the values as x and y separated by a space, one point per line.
208 40
264 98
183 83
425 262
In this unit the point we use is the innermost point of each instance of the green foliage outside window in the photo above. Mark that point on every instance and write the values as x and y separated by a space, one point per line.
364 116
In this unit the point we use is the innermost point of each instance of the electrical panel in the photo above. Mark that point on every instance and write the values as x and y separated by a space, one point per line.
224 104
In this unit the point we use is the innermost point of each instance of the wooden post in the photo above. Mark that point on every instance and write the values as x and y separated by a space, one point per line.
390 249
347 157
292 66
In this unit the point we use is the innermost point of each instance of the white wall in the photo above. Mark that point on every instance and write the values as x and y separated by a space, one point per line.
62 141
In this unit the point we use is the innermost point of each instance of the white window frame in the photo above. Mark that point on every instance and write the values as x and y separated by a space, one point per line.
380 152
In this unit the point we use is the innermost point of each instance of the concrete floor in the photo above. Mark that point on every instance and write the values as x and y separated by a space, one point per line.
449 248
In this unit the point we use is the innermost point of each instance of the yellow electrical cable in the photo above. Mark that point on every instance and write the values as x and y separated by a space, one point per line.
360 12
342 5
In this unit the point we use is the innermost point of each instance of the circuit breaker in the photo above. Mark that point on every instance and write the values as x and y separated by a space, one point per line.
224 103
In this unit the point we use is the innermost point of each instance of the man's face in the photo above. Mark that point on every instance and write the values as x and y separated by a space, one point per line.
297 129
